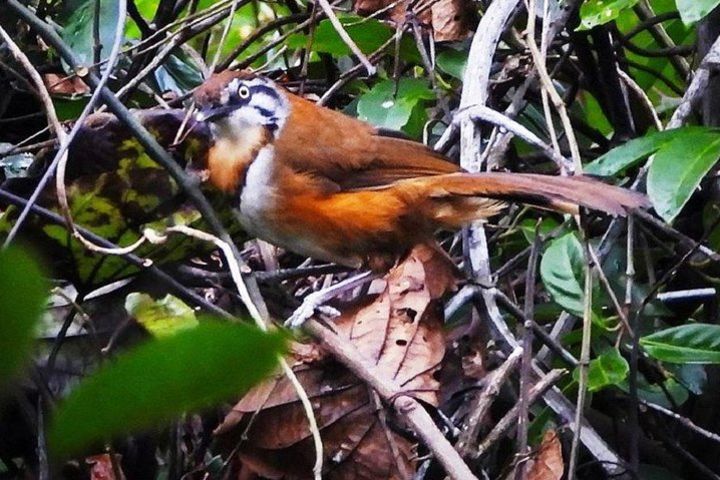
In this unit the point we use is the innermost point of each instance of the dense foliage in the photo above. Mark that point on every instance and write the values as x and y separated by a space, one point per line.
103 349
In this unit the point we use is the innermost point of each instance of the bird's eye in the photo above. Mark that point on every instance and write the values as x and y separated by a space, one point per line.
243 92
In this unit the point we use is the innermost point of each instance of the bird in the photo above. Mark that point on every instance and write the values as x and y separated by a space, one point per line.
329 186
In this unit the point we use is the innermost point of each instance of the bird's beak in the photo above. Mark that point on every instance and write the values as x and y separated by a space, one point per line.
212 112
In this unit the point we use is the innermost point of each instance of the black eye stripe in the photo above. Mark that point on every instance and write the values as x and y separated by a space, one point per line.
269 91
263 111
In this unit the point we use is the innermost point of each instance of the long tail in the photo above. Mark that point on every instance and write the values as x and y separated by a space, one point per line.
458 198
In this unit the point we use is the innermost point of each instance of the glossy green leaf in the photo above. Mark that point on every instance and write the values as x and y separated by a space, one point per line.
368 35
78 29
692 11
452 62
146 9
692 343
162 317
562 269
529 226
600 12
162 379
22 298
609 368
678 169
178 74
383 107
632 152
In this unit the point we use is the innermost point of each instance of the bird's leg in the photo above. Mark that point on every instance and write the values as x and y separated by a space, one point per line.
315 301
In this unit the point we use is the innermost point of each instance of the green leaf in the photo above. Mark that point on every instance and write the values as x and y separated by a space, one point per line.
693 343
163 317
382 107
659 393
678 169
22 298
529 225
634 151
692 11
368 35
178 74
600 12
609 368
562 269
146 9
162 379
78 29
452 62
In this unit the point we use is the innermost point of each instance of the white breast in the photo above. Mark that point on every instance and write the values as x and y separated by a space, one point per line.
258 203
259 196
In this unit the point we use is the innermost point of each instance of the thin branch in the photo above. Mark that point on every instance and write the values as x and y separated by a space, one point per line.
584 361
548 86
345 37
145 265
60 160
259 33
526 366
481 404
506 423
697 87
242 288
391 392
483 113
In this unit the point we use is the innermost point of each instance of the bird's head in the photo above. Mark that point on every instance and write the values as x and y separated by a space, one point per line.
241 100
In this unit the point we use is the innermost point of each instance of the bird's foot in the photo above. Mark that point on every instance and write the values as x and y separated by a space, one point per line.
312 304
315 302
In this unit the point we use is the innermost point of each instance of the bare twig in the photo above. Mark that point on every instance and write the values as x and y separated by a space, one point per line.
223 37
697 87
235 270
481 404
548 86
584 361
684 421
645 12
506 423
526 366
391 392
47 103
60 159
483 113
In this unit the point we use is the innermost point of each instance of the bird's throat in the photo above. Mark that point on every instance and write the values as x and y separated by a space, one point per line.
232 153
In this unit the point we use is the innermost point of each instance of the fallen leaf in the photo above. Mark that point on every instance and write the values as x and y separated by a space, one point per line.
449 20
547 462
63 85
400 332
453 20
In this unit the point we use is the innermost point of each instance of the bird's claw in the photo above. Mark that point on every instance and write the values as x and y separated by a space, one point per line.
311 305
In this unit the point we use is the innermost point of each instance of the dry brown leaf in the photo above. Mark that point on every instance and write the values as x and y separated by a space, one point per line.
453 20
62 85
400 332
102 467
547 462
449 20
